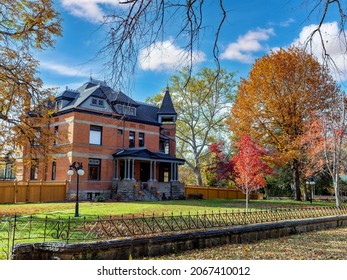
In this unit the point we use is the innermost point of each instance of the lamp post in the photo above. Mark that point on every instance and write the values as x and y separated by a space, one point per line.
80 172
310 183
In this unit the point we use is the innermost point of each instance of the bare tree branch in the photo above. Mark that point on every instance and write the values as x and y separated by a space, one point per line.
143 24
322 8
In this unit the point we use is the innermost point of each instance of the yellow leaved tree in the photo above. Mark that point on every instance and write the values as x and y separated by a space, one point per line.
26 27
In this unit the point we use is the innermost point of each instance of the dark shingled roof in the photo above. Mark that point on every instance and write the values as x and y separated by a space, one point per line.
146 113
120 97
145 154
68 94
167 107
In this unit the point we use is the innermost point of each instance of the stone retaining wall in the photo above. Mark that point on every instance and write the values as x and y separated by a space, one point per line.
160 245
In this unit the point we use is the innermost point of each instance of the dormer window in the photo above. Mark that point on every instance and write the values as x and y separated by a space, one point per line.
58 105
129 110
97 102
126 110
119 108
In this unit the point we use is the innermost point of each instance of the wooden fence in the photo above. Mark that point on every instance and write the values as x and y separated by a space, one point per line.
216 192
32 191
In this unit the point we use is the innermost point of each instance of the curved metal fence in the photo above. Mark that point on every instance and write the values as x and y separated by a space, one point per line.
32 229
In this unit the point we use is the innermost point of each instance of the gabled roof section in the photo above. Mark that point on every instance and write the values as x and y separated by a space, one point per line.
92 83
120 97
167 107
81 98
105 91
68 94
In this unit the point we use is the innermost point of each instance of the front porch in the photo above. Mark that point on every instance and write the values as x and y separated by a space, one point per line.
146 191
144 175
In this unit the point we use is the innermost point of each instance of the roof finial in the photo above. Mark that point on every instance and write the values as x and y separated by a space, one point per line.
167 87
91 75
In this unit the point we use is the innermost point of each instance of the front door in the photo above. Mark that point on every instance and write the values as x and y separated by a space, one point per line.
144 171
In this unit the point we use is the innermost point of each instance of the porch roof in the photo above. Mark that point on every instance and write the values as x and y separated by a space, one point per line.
143 153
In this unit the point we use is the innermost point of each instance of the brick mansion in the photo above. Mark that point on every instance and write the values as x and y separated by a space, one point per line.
127 148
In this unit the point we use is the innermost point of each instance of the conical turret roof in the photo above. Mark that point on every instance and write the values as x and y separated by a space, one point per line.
167 107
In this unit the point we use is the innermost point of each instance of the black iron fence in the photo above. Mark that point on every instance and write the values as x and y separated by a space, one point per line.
31 229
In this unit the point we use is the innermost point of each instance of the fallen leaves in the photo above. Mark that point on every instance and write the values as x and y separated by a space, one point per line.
317 245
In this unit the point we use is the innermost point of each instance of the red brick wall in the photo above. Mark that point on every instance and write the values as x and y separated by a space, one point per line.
170 131
73 144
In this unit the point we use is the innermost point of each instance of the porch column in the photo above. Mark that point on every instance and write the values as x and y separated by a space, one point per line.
133 170
150 170
128 167
175 171
171 172
125 169
116 163
155 171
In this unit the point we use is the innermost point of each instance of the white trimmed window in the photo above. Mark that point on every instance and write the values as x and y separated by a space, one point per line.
95 135
97 102
94 169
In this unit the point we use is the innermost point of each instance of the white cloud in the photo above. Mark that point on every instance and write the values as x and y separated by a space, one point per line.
286 23
334 44
64 70
166 56
242 50
90 10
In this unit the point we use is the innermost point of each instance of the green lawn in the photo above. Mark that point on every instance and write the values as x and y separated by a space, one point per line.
40 228
106 209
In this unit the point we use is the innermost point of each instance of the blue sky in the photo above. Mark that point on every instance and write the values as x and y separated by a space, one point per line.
252 29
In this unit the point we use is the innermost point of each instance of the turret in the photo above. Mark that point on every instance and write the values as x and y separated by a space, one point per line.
167 112
167 117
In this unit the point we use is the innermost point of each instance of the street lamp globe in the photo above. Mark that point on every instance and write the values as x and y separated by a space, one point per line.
80 172
70 172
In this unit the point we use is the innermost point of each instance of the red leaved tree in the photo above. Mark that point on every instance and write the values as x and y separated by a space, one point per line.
221 167
250 167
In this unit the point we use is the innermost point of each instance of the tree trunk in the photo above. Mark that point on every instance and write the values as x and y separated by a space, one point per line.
247 199
337 190
198 177
296 179
306 194
266 192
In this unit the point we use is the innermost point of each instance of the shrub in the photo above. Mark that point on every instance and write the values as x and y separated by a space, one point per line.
181 197
99 198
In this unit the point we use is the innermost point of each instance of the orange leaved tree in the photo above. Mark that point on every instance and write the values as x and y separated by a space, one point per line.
250 167
283 92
